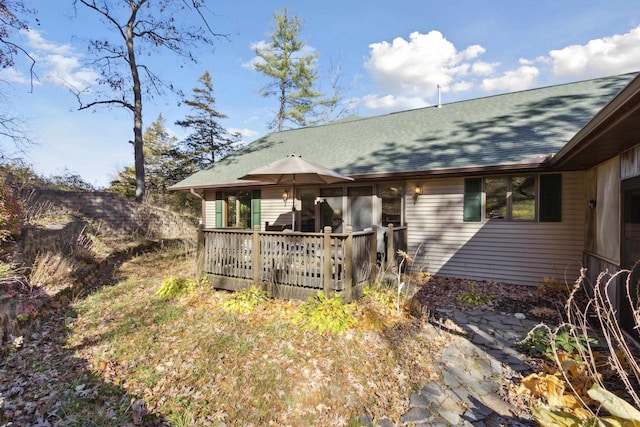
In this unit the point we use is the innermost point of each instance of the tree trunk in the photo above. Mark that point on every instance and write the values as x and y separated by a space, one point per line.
137 112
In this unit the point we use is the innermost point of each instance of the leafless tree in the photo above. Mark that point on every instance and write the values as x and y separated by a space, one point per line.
136 29
13 18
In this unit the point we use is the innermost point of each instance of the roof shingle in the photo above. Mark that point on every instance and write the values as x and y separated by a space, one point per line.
491 131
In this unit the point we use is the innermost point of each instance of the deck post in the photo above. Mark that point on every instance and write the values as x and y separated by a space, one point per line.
348 264
327 267
200 250
373 250
391 250
255 256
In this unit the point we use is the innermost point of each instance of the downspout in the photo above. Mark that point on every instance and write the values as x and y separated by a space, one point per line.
203 205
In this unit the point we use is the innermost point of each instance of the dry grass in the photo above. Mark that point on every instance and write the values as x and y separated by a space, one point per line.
194 363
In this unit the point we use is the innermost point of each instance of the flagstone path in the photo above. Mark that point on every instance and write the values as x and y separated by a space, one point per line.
466 394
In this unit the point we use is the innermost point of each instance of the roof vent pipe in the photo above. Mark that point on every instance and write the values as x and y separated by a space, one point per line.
439 98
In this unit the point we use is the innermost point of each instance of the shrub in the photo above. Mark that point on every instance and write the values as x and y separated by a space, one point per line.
474 297
10 211
245 300
326 314
174 287
541 342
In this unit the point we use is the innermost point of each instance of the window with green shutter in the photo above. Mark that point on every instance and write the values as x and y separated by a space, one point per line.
472 199
551 198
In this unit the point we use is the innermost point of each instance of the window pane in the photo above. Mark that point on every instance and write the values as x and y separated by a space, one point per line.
231 210
391 206
472 199
361 207
523 197
551 197
244 198
331 209
496 191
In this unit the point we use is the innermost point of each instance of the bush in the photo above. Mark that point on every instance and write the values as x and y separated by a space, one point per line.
326 314
245 300
10 211
174 287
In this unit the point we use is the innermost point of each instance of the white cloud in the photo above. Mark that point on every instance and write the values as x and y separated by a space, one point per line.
461 86
482 68
616 54
37 42
55 63
67 71
11 75
391 102
408 73
520 79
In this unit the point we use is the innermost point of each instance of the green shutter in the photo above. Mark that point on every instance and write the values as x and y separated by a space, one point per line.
219 209
551 198
472 199
255 208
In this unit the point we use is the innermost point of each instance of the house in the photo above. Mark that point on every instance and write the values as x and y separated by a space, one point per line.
514 188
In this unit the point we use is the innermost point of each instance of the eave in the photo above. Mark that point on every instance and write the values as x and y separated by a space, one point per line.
613 130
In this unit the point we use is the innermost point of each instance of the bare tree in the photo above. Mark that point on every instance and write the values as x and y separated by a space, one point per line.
140 27
13 18
335 105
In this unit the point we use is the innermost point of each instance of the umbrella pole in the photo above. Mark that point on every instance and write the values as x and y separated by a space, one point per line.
293 205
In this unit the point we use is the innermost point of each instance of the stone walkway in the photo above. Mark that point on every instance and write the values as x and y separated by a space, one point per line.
466 394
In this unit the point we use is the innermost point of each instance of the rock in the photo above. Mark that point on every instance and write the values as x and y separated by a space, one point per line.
520 316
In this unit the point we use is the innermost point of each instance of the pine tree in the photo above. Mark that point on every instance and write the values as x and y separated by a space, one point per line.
209 141
164 162
292 74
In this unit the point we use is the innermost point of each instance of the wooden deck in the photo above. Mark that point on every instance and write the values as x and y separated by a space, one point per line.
295 265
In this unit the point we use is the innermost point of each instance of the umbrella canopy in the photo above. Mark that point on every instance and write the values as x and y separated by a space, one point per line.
293 170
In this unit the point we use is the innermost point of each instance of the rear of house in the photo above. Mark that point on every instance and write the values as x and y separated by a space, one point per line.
513 188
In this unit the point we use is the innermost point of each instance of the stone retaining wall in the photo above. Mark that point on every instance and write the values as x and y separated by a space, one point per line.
116 215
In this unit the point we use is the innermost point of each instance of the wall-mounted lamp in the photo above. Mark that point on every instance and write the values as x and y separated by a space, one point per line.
285 196
416 192
592 204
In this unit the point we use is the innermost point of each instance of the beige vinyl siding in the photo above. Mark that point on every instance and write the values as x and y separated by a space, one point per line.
272 205
506 251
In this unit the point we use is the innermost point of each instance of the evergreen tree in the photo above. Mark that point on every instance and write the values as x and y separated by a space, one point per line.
164 163
291 73
209 141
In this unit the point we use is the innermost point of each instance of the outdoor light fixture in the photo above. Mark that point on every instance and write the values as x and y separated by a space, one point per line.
285 196
416 192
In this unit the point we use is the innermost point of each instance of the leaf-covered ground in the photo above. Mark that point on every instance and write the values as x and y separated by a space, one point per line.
122 355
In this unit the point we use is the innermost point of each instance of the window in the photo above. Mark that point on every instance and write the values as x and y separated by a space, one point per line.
331 207
513 198
551 197
237 209
523 198
361 207
472 199
391 198
496 198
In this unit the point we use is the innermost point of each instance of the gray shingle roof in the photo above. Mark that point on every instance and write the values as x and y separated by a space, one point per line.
491 131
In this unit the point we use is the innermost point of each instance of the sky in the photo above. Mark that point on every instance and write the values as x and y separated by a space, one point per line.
392 56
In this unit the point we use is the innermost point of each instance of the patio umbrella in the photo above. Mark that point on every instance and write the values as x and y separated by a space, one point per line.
293 170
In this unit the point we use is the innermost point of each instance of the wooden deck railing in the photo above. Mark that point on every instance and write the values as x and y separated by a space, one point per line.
293 264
